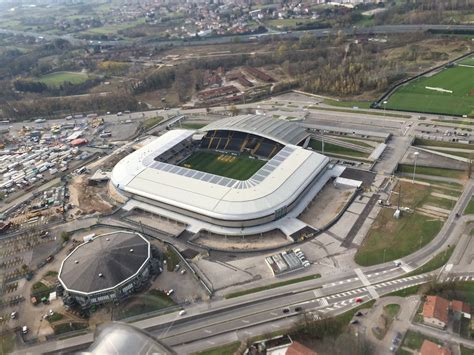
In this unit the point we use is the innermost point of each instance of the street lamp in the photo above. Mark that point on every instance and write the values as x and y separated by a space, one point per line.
322 141
414 168
384 107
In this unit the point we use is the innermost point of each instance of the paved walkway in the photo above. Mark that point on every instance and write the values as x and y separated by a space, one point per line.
441 335
401 323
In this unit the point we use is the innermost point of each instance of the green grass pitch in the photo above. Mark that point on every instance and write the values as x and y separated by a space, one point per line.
57 78
236 167
415 97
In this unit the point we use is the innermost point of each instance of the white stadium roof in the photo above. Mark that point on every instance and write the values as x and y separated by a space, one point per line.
278 130
277 184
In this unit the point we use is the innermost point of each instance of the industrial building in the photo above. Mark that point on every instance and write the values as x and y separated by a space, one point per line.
108 267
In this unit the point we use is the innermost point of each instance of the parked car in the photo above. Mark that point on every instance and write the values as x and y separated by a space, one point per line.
182 312
24 329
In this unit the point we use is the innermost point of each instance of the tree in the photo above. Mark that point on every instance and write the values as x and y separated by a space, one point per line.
65 236
234 110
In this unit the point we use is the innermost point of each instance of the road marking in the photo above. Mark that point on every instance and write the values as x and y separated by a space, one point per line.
362 277
341 282
248 332
372 292
403 265
273 313
245 321
448 267
317 293
207 331
211 342
275 326
323 302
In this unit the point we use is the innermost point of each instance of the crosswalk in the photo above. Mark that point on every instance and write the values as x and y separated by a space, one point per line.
460 278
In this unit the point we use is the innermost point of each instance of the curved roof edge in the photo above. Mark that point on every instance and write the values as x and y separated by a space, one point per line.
278 130
109 288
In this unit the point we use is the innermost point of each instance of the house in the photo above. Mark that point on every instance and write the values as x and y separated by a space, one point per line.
460 309
435 311
430 348
299 349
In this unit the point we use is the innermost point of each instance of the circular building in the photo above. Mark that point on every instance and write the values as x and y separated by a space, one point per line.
106 268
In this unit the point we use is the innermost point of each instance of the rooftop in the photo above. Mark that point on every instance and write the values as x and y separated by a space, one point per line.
274 185
430 348
278 130
104 262
436 307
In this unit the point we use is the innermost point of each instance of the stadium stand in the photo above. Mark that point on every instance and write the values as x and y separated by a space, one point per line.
239 142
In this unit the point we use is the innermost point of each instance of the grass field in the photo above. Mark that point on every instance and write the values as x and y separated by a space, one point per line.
414 340
467 61
59 77
432 143
438 261
405 292
415 97
350 104
236 167
273 285
470 207
228 349
424 170
390 238
336 149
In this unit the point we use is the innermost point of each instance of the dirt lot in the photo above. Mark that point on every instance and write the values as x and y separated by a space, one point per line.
87 199
325 207
273 239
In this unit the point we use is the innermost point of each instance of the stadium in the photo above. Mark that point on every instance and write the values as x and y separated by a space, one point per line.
240 175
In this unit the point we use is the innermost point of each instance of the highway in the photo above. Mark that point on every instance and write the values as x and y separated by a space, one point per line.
383 29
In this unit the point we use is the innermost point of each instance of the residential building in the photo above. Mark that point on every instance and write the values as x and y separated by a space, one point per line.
435 311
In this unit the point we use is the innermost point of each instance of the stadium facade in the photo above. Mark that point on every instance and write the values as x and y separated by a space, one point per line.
153 178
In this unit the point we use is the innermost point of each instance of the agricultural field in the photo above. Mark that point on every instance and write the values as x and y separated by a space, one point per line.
235 167
448 92
59 77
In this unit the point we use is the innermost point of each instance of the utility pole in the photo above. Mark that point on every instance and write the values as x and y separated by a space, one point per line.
414 168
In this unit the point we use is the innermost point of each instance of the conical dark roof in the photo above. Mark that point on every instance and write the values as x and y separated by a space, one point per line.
104 262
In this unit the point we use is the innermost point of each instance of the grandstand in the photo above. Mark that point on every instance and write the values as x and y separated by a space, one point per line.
240 142
239 175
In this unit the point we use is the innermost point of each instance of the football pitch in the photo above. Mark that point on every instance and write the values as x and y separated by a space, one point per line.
236 167
451 91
